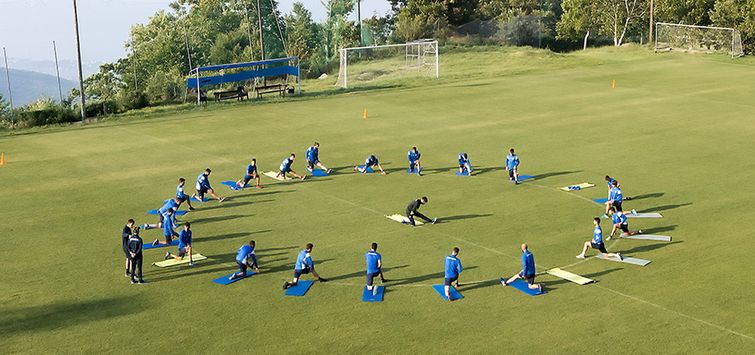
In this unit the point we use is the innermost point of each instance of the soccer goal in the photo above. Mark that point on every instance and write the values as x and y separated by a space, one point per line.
697 39
365 64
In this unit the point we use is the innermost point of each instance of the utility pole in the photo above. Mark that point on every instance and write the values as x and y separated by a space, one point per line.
57 71
10 94
652 10
359 21
78 52
262 33
249 34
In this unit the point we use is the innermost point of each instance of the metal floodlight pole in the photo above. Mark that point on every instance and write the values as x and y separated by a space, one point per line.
10 93
652 10
359 21
57 71
78 52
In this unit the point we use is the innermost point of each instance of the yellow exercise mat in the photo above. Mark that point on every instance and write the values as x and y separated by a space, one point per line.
402 219
174 262
274 175
577 187
569 276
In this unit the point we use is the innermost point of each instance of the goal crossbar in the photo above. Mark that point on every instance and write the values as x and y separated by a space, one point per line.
423 49
690 41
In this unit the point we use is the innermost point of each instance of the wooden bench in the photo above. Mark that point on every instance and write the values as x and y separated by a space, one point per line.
240 93
272 88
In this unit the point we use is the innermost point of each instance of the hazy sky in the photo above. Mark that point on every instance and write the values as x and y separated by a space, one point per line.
28 27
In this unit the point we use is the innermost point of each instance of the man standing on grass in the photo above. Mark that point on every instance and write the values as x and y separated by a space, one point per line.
313 158
512 166
249 174
453 269
371 161
184 245
134 247
286 168
304 265
181 196
245 258
203 186
597 242
465 164
412 210
125 236
528 271
620 223
413 157
374 266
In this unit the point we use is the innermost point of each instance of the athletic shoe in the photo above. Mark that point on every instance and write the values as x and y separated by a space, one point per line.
580 256
302 177
634 211
145 226
286 285
639 231
608 237
221 199
604 216
329 171
133 282
141 281
191 208
516 182
503 282
540 287
619 256
374 291
128 274
167 255
233 276
434 220
156 242
191 264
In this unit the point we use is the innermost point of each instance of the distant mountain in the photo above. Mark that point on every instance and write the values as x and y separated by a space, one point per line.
28 86
68 68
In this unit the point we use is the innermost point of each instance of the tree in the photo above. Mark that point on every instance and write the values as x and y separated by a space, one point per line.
738 14
611 17
302 35
690 12
579 20
103 86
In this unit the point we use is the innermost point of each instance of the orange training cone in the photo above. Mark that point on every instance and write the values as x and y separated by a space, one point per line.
613 84
2 158
364 115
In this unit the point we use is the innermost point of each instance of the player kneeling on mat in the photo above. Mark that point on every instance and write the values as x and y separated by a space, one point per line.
528 271
597 242
304 265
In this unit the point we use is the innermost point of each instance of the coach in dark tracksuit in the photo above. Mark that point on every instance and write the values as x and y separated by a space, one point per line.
413 211
134 247
125 235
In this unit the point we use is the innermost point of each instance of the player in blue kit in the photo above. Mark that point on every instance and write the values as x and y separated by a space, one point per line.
168 224
313 158
414 163
619 221
371 161
615 198
512 166
528 271
374 266
609 182
453 269
304 265
203 186
245 258
464 164
285 168
170 205
249 174
184 245
181 196
597 242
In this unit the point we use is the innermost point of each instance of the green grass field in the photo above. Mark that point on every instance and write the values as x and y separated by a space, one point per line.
677 131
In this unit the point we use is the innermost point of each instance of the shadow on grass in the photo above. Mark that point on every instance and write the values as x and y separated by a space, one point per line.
232 235
230 205
487 169
555 173
219 218
665 207
649 195
482 284
659 229
461 217
263 193
649 247
64 314
417 279
363 273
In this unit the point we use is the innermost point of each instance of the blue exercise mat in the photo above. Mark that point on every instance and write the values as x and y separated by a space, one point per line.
368 296
369 169
455 295
412 171
465 173
177 213
223 280
521 285
318 172
525 177
173 243
204 199
600 200
300 289
232 185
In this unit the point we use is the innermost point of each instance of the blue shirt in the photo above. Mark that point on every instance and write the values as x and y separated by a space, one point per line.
371 161
619 219
168 225
184 238
203 181
413 155
286 164
373 258
512 161
597 235
251 169
453 266
610 182
463 160
313 154
244 253
615 195
180 192
169 205
304 260
528 264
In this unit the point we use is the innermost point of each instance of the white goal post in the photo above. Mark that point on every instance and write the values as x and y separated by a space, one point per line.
366 63
697 39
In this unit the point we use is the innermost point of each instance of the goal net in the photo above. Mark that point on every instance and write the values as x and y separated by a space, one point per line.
697 39
366 64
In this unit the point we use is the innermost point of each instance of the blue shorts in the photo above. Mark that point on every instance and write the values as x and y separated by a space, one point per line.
617 205
182 199
202 190
601 247
371 277
449 280
298 272
242 267
311 164
182 252
530 278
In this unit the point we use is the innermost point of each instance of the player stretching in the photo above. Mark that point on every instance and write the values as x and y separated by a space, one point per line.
412 210
609 181
304 265
286 168
465 164
184 245
249 174
245 258
452 270
313 158
203 186
528 271
414 163
374 266
619 221
615 198
597 242
512 166
368 163
170 205
181 196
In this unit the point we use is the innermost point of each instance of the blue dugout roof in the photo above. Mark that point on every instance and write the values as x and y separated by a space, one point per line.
244 75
